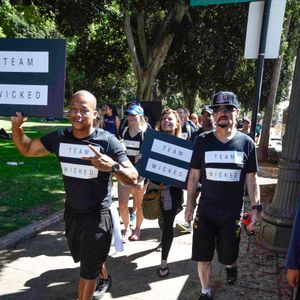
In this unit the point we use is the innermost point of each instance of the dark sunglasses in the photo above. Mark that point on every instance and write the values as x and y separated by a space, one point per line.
227 109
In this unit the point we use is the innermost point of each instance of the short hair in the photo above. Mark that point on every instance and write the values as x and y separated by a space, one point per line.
88 96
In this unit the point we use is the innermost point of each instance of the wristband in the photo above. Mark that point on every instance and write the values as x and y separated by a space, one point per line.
258 207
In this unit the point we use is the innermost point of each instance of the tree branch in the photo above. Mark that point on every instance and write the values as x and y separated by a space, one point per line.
142 36
175 15
131 45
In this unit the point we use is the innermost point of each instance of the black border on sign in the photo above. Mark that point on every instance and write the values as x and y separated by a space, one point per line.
54 79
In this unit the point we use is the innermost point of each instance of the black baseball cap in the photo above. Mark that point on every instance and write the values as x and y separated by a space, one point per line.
206 109
224 98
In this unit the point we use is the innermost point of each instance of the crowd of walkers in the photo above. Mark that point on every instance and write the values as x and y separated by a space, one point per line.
100 145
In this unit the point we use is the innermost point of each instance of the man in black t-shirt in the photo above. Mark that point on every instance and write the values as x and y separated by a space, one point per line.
226 159
187 126
88 157
207 123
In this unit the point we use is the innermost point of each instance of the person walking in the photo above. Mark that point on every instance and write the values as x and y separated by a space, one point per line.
172 197
88 158
133 136
207 122
293 255
111 119
187 126
225 159
246 126
194 118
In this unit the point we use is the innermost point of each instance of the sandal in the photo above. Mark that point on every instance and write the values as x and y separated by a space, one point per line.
136 235
158 248
163 272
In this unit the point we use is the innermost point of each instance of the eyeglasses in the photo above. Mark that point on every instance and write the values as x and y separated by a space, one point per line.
226 110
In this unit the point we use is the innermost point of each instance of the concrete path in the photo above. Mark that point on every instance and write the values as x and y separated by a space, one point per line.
41 268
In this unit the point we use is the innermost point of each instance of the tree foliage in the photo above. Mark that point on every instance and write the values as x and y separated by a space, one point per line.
20 21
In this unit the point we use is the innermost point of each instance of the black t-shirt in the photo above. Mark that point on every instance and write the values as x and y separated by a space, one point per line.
223 167
86 188
187 129
132 143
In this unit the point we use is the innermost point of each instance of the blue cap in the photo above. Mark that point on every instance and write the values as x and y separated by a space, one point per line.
135 110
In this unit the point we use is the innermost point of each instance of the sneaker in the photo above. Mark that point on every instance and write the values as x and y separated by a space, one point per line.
132 219
184 228
231 275
204 297
126 234
103 285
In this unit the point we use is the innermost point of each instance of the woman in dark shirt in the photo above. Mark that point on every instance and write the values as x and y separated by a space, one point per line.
111 119
133 136
172 197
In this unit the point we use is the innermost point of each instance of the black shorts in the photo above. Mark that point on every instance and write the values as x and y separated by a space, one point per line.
209 234
89 239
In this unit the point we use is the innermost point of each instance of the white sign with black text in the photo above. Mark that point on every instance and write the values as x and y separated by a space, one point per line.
24 61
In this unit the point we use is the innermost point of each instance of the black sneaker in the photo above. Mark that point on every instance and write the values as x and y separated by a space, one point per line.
205 297
103 285
231 275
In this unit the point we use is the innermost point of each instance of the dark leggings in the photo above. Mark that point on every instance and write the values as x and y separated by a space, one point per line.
166 227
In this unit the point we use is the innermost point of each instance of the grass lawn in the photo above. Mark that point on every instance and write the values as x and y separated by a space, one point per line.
32 189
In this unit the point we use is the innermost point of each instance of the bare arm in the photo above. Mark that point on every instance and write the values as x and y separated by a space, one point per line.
26 145
293 277
253 192
118 122
193 181
127 174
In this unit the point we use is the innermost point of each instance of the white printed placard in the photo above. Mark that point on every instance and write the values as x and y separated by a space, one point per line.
132 144
225 175
24 94
132 152
225 157
24 61
78 171
171 150
76 150
167 170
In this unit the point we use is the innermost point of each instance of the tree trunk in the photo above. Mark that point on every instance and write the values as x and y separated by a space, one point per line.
189 96
262 152
147 66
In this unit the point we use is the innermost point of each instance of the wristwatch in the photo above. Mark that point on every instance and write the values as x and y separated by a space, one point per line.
115 167
258 207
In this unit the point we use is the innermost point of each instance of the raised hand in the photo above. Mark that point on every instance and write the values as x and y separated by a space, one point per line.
100 161
18 119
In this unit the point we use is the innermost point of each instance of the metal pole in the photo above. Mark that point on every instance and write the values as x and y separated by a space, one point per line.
260 66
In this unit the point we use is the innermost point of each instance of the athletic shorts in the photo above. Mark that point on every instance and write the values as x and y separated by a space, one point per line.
89 239
209 234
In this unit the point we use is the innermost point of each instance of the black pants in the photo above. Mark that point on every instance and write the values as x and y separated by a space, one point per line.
166 226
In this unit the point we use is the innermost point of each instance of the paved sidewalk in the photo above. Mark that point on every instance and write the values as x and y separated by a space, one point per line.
41 268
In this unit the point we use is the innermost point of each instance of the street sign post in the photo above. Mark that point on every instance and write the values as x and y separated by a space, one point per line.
216 2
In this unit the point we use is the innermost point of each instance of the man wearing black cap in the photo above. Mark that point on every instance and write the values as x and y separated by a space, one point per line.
226 159
207 122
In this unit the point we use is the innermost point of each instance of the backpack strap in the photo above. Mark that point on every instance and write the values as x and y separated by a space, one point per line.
124 131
